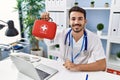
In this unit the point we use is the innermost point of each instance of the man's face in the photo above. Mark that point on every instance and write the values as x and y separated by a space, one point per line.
77 21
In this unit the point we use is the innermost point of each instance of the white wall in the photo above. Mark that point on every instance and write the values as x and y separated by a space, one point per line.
7 12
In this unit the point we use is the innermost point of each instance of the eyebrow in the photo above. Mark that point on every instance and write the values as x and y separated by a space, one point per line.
77 17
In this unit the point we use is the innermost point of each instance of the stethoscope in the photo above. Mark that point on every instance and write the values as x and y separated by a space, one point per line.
70 43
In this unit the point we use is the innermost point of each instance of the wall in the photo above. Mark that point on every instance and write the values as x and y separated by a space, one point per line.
7 12
98 3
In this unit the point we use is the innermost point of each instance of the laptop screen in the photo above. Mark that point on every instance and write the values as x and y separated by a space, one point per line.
42 74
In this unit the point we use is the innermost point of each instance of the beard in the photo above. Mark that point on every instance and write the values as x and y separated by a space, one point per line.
78 29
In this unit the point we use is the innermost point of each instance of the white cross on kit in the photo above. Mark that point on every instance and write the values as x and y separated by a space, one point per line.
44 27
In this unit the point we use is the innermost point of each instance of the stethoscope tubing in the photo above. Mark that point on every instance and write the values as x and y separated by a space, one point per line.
68 37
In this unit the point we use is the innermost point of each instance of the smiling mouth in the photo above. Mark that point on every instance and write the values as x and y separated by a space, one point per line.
77 28
77 25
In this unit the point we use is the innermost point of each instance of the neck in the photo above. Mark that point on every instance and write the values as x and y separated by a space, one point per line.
77 36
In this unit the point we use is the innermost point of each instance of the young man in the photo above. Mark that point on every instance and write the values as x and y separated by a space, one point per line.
80 48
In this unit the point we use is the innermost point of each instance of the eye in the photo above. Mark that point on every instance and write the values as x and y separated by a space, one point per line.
73 19
80 18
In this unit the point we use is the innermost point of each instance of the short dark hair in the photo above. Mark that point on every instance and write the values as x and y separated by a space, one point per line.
77 9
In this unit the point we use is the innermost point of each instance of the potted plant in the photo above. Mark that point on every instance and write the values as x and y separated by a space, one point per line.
30 10
100 27
76 3
92 3
57 46
106 4
118 55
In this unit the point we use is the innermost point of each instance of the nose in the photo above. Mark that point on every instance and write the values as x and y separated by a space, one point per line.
76 21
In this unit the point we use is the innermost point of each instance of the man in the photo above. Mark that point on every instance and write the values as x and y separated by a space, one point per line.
80 48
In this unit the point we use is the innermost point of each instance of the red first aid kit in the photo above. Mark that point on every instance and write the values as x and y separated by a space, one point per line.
44 29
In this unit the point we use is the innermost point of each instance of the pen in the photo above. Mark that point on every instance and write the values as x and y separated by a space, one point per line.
86 77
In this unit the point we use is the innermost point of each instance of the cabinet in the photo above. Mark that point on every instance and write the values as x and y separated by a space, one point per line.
116 4
113 42
58 10
109 16
97 14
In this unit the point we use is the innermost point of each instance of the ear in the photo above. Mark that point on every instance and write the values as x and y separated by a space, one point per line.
85 21
69 23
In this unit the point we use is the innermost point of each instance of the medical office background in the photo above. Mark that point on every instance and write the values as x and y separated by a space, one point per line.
98 14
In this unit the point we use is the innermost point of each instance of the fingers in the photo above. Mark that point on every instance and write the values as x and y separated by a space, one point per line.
69 65
45 16
71 68
39 38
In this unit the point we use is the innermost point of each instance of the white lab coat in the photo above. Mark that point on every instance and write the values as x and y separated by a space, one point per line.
94 51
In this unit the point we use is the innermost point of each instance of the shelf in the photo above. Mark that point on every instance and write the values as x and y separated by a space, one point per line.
95 15
96 8
113 62
103 37
54 53
114 39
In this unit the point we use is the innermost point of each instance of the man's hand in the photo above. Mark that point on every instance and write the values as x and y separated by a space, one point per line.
45 16
39 38
70 66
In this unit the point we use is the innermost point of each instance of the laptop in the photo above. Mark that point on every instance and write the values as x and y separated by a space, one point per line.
40 72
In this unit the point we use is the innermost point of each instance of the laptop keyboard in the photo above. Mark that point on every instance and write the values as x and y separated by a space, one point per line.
42 74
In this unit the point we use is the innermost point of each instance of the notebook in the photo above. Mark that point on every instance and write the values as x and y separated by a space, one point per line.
40 72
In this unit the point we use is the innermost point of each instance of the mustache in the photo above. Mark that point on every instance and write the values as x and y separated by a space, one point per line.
76 25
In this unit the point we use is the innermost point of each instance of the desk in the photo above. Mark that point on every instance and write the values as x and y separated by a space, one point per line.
8 71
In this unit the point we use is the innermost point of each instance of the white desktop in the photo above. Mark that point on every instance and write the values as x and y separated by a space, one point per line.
8 71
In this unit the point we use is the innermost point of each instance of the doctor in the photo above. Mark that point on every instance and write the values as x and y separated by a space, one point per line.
80 48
